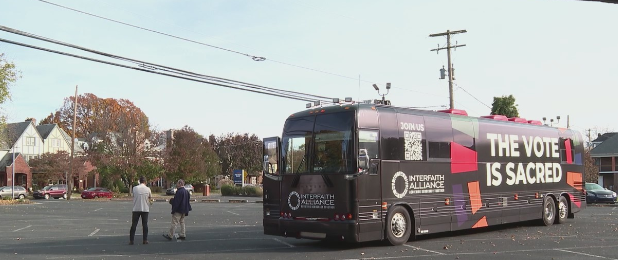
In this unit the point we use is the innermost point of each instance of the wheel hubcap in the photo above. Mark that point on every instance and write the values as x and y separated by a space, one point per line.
549 211
398 225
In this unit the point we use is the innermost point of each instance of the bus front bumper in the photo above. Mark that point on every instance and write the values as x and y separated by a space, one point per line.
331 230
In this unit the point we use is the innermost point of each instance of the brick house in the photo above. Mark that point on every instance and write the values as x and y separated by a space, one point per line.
23 175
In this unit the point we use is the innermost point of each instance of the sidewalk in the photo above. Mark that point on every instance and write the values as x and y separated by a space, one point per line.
213 198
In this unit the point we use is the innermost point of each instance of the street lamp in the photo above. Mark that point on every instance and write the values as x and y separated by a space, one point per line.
388 87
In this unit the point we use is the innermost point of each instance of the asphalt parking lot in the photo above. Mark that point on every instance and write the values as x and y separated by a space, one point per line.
85 229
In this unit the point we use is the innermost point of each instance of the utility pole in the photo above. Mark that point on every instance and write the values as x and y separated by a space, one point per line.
450 65
70 186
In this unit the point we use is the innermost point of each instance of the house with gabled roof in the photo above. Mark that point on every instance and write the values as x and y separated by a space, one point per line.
55 139
22 138
605 154
28 141
601 138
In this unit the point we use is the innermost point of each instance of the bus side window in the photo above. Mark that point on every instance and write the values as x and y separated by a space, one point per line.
563 151
439 136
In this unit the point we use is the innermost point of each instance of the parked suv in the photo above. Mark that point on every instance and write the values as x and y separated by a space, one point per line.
20 192
53 191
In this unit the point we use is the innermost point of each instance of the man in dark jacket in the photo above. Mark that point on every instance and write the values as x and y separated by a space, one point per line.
180 209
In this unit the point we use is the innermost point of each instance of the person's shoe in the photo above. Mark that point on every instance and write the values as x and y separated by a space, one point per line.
130 243
167 236
145 242
182 238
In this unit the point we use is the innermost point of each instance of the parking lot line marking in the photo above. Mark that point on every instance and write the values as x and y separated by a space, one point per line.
84 256
94 232
578 253
422 249
98 209
282 242
21 228
232 213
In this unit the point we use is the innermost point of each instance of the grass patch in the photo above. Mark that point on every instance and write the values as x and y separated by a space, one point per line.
15 202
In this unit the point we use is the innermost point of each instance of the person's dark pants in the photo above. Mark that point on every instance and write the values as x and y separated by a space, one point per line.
136 216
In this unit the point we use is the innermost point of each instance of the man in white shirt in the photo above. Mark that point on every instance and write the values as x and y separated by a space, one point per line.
141 207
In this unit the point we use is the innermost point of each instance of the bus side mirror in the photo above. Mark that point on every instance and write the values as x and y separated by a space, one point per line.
363 159
373 168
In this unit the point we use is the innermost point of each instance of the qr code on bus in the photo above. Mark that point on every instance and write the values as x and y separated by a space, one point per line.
413 146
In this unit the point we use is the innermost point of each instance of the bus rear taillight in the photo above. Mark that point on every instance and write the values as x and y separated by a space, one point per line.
343 217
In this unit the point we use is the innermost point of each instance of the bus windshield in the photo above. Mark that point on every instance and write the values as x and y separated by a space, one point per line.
319 144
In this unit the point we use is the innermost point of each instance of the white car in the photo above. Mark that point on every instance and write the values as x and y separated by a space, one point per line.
20 192
172 190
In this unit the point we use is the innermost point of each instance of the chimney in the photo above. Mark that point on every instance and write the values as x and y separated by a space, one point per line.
31 119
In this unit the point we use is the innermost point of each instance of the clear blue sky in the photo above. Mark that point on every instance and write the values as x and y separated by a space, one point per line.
557 57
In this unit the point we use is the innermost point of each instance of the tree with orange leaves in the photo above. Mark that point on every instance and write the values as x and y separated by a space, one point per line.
115 128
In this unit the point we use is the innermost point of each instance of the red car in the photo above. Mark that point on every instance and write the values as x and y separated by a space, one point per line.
96 192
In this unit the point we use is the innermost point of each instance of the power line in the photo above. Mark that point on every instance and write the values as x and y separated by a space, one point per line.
147 66
472 96
154 72
255 58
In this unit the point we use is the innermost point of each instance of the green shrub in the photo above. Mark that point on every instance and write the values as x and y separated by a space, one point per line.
231 190
156 189
228 190
252 191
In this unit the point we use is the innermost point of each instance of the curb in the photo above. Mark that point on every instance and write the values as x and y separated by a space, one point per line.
238 201
210 200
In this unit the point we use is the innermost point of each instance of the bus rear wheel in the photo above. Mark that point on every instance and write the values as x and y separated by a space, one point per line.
549 211
398 226
563 210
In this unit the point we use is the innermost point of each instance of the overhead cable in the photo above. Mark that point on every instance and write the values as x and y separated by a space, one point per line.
152 71
255 58
152 66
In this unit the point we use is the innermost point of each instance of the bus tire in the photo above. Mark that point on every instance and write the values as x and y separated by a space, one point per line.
398 226
549 211
562 210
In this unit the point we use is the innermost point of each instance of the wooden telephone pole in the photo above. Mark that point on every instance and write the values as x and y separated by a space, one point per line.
450 65
70 184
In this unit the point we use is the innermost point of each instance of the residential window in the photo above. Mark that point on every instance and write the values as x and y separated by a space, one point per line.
30 141
55 142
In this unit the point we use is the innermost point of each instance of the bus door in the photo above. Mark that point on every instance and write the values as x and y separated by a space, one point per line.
368 187
271 184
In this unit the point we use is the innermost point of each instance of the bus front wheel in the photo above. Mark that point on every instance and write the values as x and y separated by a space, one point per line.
398 226
549 211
